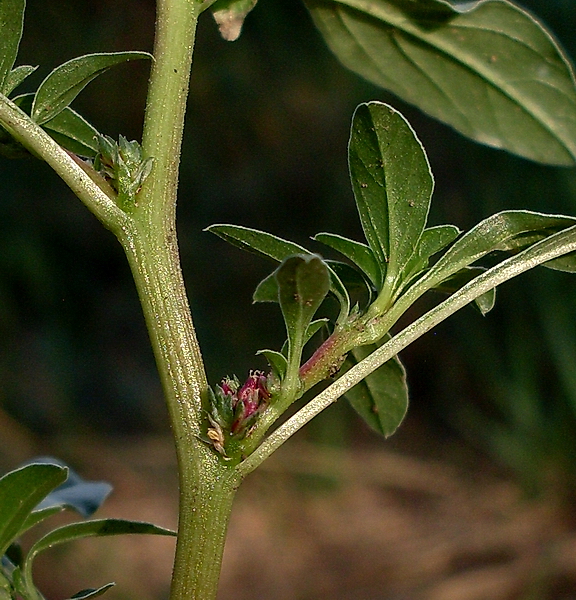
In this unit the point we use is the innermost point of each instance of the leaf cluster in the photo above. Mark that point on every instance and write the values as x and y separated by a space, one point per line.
401 258
31 494
49 106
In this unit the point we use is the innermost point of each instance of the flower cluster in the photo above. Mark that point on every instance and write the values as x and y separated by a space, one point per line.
235 408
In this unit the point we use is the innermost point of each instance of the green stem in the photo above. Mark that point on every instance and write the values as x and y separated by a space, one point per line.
552 247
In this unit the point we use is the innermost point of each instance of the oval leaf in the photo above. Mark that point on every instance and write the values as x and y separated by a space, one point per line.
303 283
381 399
392 185
488 68
20 491
65 82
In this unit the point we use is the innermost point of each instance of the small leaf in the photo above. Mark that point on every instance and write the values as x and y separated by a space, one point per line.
92 593
360 254
392 185
65 82
277 362
20 491
16 77
73 132
11 24
484 303
303 282
229 16
381 399
488 69
37 516
271 246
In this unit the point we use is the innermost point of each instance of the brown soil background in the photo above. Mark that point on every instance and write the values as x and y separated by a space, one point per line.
319 523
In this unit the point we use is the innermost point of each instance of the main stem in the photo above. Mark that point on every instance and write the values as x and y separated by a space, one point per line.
207 483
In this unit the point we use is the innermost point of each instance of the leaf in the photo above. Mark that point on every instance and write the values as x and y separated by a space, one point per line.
271 246
92 593
303 282
381 399
65 82
11 24
85 529
392 185
360 254
277 362
16 77
432 241
20 491
229 16
484 303
73 132
503 231
486 68
85 497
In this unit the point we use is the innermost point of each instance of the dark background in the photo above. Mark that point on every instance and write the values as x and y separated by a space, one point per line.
265 146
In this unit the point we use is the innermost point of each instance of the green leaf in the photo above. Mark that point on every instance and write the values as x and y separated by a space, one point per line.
85 529
503 231
73 132
484 303
487 68
65 82
11 24
381 399
392 185
229 16
432 241
20 491
37 516
303 282
92 593
16 77
271 246
360 254
277 362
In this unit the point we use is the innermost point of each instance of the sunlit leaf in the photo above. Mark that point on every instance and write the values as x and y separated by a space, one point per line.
487 68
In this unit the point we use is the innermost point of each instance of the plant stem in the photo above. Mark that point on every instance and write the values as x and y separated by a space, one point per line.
552 247
207 483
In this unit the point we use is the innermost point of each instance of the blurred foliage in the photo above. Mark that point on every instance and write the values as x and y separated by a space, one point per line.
265 146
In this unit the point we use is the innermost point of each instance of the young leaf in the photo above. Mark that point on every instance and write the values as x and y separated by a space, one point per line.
11 23
271 246
303 282
20 491
16 77
65 82
488 69
229 16
382 398
360 254
277 362
392 185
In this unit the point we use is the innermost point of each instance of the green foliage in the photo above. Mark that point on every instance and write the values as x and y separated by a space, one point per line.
392 185
32 494
464 64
